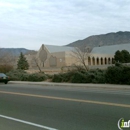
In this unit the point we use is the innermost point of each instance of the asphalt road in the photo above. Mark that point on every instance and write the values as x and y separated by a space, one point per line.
61 108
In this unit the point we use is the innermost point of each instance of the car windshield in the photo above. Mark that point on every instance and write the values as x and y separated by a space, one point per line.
2 75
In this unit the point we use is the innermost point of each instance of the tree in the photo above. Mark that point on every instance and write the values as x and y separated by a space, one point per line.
126 56
118 56
122 56
36 63
6 61
82 56
22 62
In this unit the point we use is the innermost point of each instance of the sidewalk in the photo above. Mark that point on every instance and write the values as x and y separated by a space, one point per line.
87 85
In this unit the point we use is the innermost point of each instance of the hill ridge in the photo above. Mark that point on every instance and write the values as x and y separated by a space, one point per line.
112 38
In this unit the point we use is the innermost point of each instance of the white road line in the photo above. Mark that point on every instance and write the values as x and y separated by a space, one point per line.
28 123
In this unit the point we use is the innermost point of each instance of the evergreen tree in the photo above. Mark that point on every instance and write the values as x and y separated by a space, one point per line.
22 62
126 56
118 56
122 56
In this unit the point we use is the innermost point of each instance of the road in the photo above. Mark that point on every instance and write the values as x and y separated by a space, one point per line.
61 108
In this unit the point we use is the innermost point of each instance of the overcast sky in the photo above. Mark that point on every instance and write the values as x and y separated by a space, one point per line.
30 23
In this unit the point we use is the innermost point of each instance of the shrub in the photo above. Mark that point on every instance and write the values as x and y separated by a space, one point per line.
90 77
5 68
114 74
16 74
21 75
68 76
74 76
99 76
57 78
95 76
37 77
125 75
118 75
79 77
63 77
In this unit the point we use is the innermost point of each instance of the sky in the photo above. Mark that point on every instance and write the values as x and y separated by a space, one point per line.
31 23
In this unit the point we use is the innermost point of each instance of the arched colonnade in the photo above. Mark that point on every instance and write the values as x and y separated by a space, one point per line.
100 60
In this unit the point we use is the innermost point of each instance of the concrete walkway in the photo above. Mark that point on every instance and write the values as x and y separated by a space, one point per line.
87 85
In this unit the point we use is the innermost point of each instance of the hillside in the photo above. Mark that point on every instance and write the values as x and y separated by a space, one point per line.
103 40
14 51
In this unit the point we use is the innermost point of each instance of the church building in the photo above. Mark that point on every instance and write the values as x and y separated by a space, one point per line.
52 56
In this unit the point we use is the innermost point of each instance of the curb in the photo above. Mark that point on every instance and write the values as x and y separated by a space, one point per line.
98 86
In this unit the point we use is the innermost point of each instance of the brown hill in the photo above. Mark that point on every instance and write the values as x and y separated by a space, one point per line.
103 40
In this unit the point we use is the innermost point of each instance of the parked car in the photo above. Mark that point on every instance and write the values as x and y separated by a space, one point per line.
4 78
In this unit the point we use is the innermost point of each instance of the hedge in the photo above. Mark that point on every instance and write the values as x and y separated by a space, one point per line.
21 75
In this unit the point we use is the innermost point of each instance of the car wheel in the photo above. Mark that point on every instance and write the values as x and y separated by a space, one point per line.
6 82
